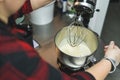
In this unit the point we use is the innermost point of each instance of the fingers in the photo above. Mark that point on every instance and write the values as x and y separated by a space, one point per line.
111 45
116 47
106 46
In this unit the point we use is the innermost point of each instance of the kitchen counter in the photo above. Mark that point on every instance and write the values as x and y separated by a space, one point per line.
44 35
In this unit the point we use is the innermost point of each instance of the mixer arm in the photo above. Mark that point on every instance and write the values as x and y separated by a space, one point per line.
84 7
84 10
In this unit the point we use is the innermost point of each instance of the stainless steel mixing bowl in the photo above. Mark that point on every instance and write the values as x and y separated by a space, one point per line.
75 62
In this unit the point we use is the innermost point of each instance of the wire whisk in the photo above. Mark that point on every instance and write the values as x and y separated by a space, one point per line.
75 33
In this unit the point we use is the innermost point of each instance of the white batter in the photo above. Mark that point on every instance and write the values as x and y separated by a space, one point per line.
77 51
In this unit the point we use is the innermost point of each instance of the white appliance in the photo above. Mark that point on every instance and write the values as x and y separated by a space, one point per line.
97 21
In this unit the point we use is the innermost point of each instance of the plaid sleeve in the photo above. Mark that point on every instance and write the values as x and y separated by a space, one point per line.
23 63
83 76
25 9
19 61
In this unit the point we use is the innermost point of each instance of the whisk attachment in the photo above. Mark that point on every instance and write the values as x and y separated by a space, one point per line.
75 34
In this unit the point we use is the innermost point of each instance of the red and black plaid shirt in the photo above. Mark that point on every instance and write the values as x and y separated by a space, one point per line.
19 61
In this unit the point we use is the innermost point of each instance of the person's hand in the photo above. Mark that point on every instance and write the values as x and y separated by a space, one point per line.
113 52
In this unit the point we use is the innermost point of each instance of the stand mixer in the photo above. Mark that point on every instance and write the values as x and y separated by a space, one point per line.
70 63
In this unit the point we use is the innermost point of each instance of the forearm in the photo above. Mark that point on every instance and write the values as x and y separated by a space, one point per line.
100 70
39 3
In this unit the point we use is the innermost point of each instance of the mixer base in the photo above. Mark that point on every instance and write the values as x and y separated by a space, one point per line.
68 70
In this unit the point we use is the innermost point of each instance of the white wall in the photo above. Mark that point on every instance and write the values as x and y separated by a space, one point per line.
97 21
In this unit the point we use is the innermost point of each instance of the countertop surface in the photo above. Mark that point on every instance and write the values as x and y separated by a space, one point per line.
45 34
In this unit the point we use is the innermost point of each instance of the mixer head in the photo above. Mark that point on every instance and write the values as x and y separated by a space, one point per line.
84 6
84 10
